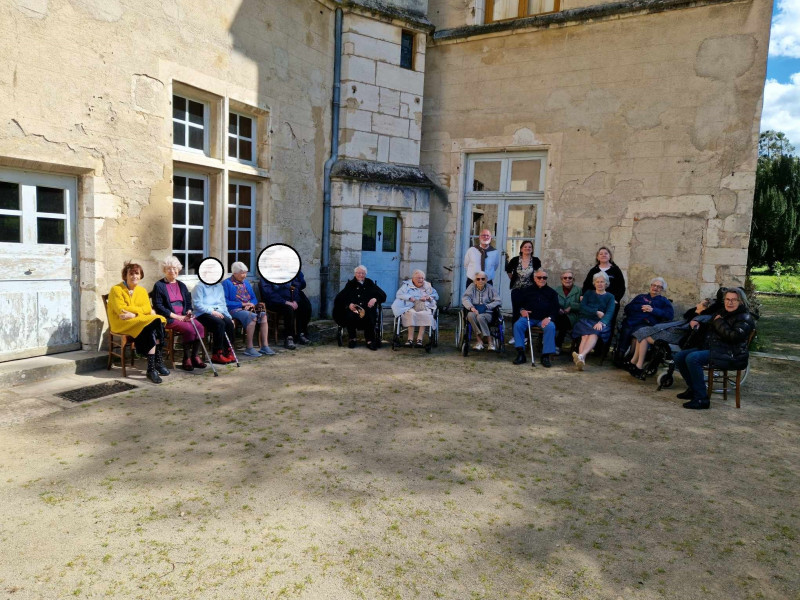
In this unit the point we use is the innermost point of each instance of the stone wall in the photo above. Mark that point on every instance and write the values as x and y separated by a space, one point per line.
650 122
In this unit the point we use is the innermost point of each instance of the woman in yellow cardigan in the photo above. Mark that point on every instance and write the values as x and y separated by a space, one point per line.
130 312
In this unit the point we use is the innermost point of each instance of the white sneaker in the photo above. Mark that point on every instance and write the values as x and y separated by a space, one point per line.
575 356
580 362
478 346
492 346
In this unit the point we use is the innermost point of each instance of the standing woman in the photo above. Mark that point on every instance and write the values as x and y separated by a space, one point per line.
130 312
520 270
597 312
173 301
605 264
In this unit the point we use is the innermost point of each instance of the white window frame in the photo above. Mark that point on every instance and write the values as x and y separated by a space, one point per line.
239 138
205 227
187 124
252 228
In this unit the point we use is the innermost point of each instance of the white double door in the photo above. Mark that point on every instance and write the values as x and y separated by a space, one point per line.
512 222
38 265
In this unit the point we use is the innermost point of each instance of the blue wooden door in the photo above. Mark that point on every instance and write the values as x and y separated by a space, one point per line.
380 249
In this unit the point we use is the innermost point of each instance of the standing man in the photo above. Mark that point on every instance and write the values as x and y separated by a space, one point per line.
539 306
483 257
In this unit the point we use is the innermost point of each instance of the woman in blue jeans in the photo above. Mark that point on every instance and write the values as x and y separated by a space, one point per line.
729 332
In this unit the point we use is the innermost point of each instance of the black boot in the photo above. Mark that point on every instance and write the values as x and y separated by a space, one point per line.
687 395
521 358
160 368
152 374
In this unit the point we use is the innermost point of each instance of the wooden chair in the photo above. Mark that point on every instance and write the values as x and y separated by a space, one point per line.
728 380
121 341
169 340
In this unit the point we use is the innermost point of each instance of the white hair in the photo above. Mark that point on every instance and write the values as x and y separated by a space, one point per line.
171 261
420 271
239 267
360 268
659 280
602 276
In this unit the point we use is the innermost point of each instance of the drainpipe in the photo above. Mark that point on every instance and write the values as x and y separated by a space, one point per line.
326 194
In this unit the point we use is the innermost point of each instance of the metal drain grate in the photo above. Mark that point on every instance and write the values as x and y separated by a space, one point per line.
90 392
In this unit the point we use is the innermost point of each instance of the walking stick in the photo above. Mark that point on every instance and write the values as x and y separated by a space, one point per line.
232 350
530 341
199 337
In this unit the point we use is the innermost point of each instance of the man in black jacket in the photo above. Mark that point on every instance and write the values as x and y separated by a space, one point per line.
538 307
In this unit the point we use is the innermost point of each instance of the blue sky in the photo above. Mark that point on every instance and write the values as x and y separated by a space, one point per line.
782 90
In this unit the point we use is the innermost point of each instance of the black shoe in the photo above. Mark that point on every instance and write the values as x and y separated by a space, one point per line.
701 404
636 372
521 358
302 339
687 395
372 345
152 374
546 361
289 344
351 344
159 365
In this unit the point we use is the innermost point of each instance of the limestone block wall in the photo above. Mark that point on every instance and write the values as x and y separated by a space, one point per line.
87 90
381 115
650 123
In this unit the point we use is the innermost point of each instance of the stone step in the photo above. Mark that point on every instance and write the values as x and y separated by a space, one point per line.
40 368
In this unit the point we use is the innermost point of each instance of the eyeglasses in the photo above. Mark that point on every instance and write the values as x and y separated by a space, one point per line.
736 300
480 279
567 277
540 278
655 286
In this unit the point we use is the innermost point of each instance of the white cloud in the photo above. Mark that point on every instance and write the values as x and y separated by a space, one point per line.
785 37
782 108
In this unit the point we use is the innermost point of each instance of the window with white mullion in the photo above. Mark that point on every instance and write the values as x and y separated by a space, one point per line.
241 136
51 215
189 124
189 220
241 223
10 213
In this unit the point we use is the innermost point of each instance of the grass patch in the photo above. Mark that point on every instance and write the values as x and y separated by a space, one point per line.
779 325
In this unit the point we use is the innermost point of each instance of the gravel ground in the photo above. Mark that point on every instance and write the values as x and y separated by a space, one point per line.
336 473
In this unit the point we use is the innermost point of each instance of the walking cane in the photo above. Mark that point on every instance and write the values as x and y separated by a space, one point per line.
199 337
530 341
232 350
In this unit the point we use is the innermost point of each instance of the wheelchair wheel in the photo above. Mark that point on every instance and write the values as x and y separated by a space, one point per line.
465 347
339 336
651 368
460 328
395 342
665 380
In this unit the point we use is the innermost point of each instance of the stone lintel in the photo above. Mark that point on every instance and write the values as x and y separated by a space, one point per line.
377 172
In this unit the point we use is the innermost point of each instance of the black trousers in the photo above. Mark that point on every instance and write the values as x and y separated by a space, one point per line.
218 328
294 320
563 325
151 335
367 323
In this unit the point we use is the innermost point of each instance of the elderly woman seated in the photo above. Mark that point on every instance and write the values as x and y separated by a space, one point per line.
240 299
480 299
569 305
414 304
172 300
729 333
355 307
596 316
645 310
130 313
212 312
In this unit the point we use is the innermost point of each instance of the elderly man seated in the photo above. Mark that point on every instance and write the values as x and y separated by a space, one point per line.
480 299
538 306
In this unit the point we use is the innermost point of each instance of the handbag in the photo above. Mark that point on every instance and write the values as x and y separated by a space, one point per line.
481 308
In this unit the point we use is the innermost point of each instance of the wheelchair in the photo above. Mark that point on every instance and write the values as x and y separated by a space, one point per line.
341 331
464 331
433 333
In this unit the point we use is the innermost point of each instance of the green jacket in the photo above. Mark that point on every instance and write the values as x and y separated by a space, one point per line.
571 301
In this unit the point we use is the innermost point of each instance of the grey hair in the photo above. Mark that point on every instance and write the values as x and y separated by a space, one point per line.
742 296
481 273
602 276
360 267
171 261
659 280
540 270
420 271
239 267
570 271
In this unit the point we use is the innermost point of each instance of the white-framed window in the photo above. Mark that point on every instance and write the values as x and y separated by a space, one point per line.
241 223
10 213
189 219
241 137
190 124
34 214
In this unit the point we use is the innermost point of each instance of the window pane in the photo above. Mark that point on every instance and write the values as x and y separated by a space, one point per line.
487 176
231 239
178 213
505 9
232 258
389 234
525 175
244 218
244 240
195 239
179 187
178 133
193 260
179 240
232 148
178 108
232 124
407 50
232 193
196 214
245 193
49 200
50 231
369 227
484 216
195 138
10 228
245 150
521 225
196 188
195 112
9 196
245 127
536 7
232 217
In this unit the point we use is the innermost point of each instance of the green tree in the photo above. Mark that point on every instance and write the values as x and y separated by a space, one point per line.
775 233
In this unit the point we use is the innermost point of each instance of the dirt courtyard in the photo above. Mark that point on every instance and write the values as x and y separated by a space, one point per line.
336 473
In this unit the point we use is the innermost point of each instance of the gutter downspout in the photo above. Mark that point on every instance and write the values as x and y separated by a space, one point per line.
326 194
